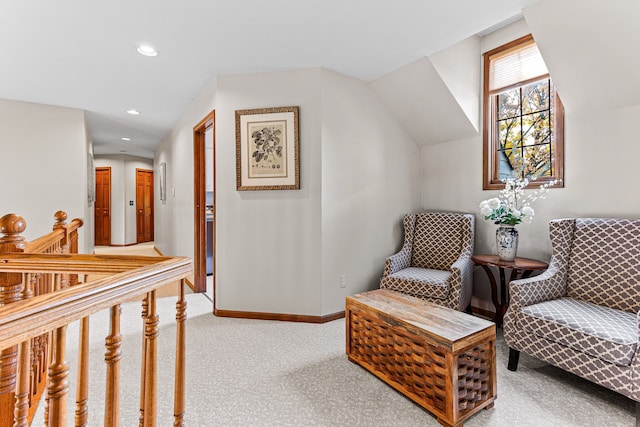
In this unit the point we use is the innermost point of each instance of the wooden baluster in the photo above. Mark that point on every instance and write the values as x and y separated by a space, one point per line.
143 362
23 391
112 358
49 360
58 383
58 369
82 390
49 280
179 391
35 349
150 383
38 368
11 226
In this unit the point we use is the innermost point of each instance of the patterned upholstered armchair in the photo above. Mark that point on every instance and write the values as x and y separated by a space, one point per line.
434 263
583 313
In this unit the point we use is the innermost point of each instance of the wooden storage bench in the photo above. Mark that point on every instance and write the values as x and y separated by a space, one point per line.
442 359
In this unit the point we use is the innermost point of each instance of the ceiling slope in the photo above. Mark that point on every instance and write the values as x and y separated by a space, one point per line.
591 51
82 54
436 98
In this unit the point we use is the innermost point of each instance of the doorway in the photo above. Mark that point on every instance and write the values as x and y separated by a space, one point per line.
102 207
144 205
204 205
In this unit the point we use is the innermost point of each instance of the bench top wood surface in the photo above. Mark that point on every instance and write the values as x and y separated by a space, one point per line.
445 327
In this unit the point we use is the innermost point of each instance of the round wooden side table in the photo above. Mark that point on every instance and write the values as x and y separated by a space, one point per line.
521 268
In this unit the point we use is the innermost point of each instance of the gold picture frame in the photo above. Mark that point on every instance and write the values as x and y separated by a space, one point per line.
267 149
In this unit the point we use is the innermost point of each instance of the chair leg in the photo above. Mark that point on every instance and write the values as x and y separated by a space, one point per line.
514 357
468 310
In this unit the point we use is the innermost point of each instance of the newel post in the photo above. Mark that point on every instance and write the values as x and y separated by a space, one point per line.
11 227
61 224
65 243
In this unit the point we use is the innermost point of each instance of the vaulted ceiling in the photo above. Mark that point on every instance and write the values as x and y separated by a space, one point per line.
82 54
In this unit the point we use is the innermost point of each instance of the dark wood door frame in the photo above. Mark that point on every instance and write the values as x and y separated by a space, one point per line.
199 209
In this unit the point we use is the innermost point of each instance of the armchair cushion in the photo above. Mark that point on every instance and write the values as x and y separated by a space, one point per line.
420 281
605 333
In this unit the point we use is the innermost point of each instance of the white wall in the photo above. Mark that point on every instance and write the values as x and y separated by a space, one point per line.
44 168
600 155
268 242
591 50
123 190
174 216
282 251
370 179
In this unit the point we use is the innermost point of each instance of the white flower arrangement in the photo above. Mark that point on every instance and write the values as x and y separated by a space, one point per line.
512 206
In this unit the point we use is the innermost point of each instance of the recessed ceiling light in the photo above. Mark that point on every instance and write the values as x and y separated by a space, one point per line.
133 112
146 50
124 138
123 151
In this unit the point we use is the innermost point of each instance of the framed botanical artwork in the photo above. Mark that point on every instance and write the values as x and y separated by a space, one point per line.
267 149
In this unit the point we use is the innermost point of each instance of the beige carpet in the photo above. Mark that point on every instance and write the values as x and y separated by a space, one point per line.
257 373
142 249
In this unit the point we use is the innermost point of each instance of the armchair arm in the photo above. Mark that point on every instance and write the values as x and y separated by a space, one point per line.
635 366
397 262
552 283
546 286
461 282
461 279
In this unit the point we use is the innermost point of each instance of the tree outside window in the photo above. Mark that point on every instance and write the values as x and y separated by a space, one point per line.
524 118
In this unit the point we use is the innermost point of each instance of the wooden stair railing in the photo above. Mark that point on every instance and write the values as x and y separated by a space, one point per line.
63 239
123 279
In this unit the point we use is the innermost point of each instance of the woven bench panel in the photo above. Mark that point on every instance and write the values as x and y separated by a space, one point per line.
418 368
474 375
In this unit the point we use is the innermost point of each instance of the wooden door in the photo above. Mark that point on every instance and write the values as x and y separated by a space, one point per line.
102 206
144 205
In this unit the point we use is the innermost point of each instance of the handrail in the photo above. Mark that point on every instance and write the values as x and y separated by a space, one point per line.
29 318
42 293
128 278
63 239
43 243
73 263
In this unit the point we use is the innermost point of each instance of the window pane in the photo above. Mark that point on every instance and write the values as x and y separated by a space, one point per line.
536 128
510 137
537 161
535 97
508 104
504 166
509 134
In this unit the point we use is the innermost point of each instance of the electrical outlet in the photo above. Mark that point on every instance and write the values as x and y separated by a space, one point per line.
343 280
